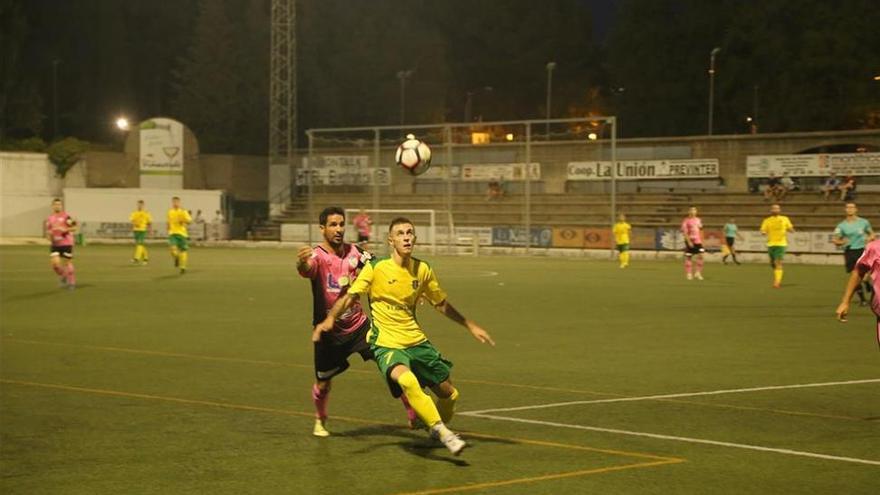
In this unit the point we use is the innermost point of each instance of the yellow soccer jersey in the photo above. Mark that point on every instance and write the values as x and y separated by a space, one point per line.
393 292
621 232
776 228
139 220
178 219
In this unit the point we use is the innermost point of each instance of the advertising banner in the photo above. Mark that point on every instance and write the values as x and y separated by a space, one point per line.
161 147
645 169
500 171
516 236
814 165
343 176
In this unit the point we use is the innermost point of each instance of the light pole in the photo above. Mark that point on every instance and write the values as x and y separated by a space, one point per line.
469 101
55 98
550 66
712 55
403 75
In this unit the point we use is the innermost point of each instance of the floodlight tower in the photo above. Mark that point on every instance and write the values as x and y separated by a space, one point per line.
282 81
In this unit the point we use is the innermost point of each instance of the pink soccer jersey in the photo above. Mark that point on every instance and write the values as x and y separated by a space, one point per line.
57 226
331 277
869 262
691 228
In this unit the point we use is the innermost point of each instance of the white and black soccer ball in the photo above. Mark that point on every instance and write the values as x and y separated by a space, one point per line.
413 155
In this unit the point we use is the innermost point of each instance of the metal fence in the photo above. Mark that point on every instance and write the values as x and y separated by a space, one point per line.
483 181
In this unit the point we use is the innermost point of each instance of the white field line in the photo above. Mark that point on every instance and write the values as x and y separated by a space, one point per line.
670 396
759 448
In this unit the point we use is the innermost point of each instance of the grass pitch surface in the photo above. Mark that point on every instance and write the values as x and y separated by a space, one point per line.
144 381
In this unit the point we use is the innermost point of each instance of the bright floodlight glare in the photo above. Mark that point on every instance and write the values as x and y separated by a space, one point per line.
509 137
122 123
592 136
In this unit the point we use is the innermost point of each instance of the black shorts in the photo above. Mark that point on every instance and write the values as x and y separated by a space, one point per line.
363 238
693 249
730 241
331 352
63 251
850 257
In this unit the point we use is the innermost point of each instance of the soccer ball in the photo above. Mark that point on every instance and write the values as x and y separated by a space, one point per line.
413 155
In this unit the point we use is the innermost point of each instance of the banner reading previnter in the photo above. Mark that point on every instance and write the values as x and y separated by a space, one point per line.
700 168
814 165
161 153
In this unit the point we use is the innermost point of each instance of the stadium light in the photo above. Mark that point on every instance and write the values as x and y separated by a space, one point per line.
877 77
712 56
592 136
509 136
122 124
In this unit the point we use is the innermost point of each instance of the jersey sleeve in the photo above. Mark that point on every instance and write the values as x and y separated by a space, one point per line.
869 259
432 290
149 218
363 281
788 224
186 216
764 226
838 232
312 271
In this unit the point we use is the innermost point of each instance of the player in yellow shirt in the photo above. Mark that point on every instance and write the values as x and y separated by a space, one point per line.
776 227
178 220
621 233
141 222
406 358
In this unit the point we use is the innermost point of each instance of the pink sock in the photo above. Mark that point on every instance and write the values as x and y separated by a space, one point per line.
687 265
699 265
320 397
410 412
58 270
71 276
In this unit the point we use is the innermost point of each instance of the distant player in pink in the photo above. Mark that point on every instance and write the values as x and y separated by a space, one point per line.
868 264
692 229
59 228
332 266
363 223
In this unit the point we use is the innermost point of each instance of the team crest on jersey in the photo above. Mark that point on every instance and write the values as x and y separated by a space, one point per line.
334 285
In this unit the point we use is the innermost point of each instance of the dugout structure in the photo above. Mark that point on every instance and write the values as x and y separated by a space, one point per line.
476 168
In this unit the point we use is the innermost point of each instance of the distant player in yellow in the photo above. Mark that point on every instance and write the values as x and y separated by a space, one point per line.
776 227
621 233
178 219
406 358
141 222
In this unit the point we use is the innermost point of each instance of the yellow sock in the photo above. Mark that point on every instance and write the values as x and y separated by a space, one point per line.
174 252
137 251
446 407
418 399
182 257
777 275
144 255
624 258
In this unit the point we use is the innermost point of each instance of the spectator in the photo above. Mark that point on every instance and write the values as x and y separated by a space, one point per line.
787 185
774 188
832 184
216 227
218 218
848 188
494 192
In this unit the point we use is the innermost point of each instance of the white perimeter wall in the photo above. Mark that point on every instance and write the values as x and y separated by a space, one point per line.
27 186
116 204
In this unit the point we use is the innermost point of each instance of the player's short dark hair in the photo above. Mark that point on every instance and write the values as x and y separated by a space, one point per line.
176 197
57 199
398 221
330 210
140 201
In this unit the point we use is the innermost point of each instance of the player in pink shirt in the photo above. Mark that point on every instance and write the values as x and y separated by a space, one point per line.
867 264
692 229
332 266
363 223
59 228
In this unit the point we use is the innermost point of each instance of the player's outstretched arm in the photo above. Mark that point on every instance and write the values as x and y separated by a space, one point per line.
854 280
304 259
476 330
342 304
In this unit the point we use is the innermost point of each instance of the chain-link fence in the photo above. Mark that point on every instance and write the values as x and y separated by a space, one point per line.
500 184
